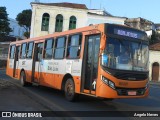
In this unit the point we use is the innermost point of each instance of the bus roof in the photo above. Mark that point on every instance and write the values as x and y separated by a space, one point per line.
105 26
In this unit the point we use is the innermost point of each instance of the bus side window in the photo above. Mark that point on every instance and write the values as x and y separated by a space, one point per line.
30 50
12 52
48 50
60 48
17 52
74 46
23 51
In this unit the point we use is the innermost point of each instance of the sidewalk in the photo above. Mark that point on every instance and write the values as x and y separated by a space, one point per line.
154 83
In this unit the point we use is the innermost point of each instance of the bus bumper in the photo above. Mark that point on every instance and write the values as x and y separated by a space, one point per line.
107 92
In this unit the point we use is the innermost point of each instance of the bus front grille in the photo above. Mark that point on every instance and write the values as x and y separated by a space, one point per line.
125 91
131 76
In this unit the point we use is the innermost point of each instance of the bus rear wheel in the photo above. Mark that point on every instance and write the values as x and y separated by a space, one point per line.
23 79
70 90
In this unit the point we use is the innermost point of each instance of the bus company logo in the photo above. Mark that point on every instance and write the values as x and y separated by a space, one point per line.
6 114
123 83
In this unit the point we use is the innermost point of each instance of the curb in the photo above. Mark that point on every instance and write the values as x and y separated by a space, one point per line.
154 83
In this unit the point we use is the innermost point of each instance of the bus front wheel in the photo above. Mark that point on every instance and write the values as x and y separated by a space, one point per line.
23 79
70 90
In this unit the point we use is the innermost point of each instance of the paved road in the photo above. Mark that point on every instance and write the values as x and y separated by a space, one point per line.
53 100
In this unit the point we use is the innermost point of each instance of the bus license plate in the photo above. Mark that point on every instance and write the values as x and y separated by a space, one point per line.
132 93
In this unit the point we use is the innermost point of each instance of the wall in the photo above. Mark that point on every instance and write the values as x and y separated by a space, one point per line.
4 50
53 11
96 19
154 56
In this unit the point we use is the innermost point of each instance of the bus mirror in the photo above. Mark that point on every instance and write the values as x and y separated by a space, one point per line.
103 42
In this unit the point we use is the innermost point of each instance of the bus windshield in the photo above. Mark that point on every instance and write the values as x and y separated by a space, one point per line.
126 55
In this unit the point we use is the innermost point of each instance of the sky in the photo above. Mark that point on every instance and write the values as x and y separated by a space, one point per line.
148 9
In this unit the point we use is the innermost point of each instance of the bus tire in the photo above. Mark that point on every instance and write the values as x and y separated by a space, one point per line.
23 79
108 99
69 90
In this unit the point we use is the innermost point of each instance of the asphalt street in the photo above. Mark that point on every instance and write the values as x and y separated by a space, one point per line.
38 98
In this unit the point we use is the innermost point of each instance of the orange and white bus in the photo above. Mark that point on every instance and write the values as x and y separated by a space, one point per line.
104 60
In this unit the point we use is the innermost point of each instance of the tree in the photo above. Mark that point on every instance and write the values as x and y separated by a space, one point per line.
4 22
24 20
155 37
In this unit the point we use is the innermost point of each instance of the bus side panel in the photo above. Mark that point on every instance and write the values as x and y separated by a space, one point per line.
26 65
77 81
47 79
28 75
10 65
7 69
18 75
58 80
53 72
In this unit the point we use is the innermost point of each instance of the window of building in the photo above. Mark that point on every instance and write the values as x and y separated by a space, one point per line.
23 51
59 23
29 50
45 22
12 52
72 22
48 49
74 46
60 48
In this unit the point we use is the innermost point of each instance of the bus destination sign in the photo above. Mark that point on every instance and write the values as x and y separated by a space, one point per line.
125 33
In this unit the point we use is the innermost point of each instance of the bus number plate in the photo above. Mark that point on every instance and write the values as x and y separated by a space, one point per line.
132 93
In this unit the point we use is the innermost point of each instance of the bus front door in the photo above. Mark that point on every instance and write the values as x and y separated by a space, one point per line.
16 62
36 65
90 67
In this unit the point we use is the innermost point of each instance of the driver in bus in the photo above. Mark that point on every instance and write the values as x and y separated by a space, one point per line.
124 58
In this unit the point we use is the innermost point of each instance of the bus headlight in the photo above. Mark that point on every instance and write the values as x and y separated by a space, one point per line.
111 84
147 85
104 79
108 82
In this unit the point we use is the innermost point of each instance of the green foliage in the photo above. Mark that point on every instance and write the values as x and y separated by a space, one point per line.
24 19
155 37
26 34
4 22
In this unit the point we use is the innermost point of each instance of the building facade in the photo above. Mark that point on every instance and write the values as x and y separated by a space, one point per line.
48 18
141 24
154 62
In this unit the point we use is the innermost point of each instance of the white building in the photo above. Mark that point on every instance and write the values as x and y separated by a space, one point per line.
17 30
154 62
48 18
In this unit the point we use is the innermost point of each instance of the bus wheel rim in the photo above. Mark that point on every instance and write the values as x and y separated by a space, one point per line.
69 89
